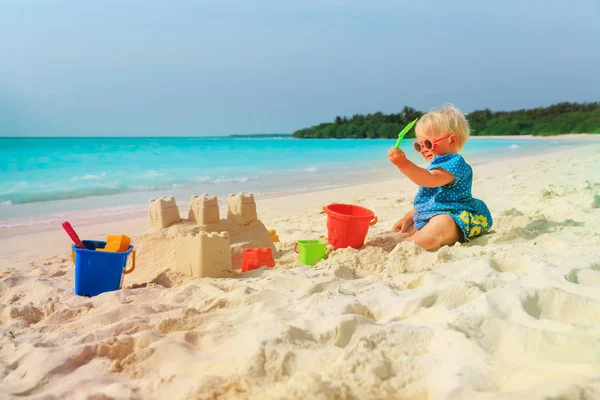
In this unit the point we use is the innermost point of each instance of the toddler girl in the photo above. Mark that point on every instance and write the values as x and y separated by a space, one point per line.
444 210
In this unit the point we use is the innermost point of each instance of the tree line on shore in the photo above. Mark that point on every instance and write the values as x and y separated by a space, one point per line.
556 119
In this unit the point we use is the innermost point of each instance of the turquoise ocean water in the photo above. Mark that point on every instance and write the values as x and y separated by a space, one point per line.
40 176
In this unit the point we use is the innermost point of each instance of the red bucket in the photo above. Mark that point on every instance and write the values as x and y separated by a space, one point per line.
347 225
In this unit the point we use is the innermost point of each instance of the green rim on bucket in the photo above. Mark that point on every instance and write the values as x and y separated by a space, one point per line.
309 242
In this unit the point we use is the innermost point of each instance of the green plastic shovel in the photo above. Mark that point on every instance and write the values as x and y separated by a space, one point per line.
404 132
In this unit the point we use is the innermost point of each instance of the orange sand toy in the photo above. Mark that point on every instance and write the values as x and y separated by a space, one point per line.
274 236
116 243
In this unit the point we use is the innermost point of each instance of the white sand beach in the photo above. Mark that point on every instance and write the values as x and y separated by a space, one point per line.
514 314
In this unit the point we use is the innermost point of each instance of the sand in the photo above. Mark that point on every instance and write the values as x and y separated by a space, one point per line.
514 314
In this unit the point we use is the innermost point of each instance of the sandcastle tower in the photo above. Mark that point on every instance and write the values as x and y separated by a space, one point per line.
241 208
205 255
163 212
204 209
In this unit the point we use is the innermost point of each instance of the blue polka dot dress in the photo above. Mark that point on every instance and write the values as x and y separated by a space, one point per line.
471 215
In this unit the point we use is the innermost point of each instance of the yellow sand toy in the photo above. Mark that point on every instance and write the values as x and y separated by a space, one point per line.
116 243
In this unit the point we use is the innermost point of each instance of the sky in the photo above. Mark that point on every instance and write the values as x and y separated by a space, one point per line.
196 68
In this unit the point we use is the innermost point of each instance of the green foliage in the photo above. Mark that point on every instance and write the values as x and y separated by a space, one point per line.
557 119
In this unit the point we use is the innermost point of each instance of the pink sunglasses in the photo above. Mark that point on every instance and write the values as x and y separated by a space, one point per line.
428 144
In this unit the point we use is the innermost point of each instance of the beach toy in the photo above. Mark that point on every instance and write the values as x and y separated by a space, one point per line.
116 243
404 132
347 225
256 258
100 271
74 237
310 252
274 236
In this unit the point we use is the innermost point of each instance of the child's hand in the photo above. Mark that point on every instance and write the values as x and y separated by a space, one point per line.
403 224
397 157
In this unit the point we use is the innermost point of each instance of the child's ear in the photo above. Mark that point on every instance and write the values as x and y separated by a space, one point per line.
453 140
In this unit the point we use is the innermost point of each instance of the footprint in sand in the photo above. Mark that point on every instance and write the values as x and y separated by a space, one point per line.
513 264
556 304
27 314
586 276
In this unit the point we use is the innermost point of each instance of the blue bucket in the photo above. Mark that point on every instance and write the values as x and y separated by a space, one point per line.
99 271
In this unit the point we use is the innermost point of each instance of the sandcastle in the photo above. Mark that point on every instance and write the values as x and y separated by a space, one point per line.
241 208
204 244
205 255
163 212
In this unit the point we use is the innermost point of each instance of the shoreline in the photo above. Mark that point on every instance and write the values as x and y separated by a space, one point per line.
48 222
315 174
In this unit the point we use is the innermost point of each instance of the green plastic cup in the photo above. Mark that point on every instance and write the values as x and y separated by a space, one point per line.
310 252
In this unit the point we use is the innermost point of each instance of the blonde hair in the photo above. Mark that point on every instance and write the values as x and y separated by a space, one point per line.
446 120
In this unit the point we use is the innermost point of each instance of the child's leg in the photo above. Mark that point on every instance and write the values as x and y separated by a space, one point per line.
441 230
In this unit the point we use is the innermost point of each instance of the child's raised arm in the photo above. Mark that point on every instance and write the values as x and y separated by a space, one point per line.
420 176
